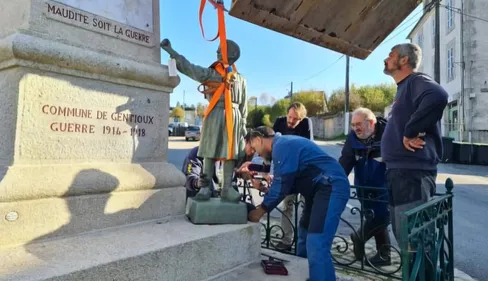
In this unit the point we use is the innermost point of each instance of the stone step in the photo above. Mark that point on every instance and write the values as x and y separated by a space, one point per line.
172 250
47 218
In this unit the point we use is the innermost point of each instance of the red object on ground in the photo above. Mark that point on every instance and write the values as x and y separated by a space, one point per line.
274 267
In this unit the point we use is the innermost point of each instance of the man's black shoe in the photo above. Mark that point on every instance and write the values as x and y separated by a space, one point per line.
282 246
380 260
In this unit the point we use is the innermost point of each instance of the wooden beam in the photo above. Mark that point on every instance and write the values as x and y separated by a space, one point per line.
354 29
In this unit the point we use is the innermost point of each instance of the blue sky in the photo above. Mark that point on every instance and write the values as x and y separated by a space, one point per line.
269 60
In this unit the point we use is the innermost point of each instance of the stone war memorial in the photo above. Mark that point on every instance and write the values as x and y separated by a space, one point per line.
86 192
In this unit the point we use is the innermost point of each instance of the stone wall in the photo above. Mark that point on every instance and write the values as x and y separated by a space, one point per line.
84 144
328 127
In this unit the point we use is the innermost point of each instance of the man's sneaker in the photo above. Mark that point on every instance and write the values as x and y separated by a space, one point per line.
380 260
282 246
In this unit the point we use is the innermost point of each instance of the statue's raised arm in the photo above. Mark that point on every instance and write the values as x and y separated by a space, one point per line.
195 72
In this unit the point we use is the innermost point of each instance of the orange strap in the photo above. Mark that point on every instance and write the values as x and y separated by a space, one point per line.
222 69
224 88
221 33
200 14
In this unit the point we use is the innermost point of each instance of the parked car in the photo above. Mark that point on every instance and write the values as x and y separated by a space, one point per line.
192 132
171 129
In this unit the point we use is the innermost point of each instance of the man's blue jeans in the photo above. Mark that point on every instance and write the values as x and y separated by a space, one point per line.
315 241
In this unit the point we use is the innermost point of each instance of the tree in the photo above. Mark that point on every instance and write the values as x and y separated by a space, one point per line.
201 110
178 104
371 97
267 121
255 118
312 100
178 113
336 101
375 97
278 109
389 91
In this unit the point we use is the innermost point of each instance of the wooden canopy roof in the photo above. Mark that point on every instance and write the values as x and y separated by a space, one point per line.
351 27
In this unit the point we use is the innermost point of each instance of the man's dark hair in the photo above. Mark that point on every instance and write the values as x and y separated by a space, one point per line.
263 132
412 51
247 137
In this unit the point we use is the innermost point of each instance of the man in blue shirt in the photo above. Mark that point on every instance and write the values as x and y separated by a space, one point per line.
301 166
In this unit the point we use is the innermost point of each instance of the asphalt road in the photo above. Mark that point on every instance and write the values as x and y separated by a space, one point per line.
470 206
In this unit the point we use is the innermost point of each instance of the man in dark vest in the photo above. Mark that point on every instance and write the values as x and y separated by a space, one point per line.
361 152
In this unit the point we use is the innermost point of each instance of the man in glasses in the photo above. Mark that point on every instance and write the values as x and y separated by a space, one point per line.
301 166
294 123
361 152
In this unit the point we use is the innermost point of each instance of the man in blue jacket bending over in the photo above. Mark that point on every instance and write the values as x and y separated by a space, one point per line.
301 166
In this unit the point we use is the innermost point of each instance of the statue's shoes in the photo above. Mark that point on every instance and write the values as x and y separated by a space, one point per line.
230 195
203 194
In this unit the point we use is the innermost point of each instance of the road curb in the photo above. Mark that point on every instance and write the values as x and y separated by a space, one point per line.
462 276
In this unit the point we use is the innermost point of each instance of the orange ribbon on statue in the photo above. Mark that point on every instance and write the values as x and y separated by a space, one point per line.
219 88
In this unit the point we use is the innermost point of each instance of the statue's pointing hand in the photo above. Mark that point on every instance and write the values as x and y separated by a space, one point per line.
166 45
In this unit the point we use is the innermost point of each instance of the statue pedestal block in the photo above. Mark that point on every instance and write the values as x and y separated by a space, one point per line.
216 211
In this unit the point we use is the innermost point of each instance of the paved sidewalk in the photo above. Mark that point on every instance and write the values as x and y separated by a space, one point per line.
298 271
343 254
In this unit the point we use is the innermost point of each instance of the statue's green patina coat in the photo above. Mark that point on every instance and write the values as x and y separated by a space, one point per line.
214 141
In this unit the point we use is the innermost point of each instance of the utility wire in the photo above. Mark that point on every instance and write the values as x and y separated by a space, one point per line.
456 10
324 69
400 32
427 8
342 56
389 39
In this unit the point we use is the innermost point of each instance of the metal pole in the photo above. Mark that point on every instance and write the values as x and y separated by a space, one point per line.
437 66
346 99
291 90
184 106
463 67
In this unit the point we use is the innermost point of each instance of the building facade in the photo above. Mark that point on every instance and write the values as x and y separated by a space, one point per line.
462 66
